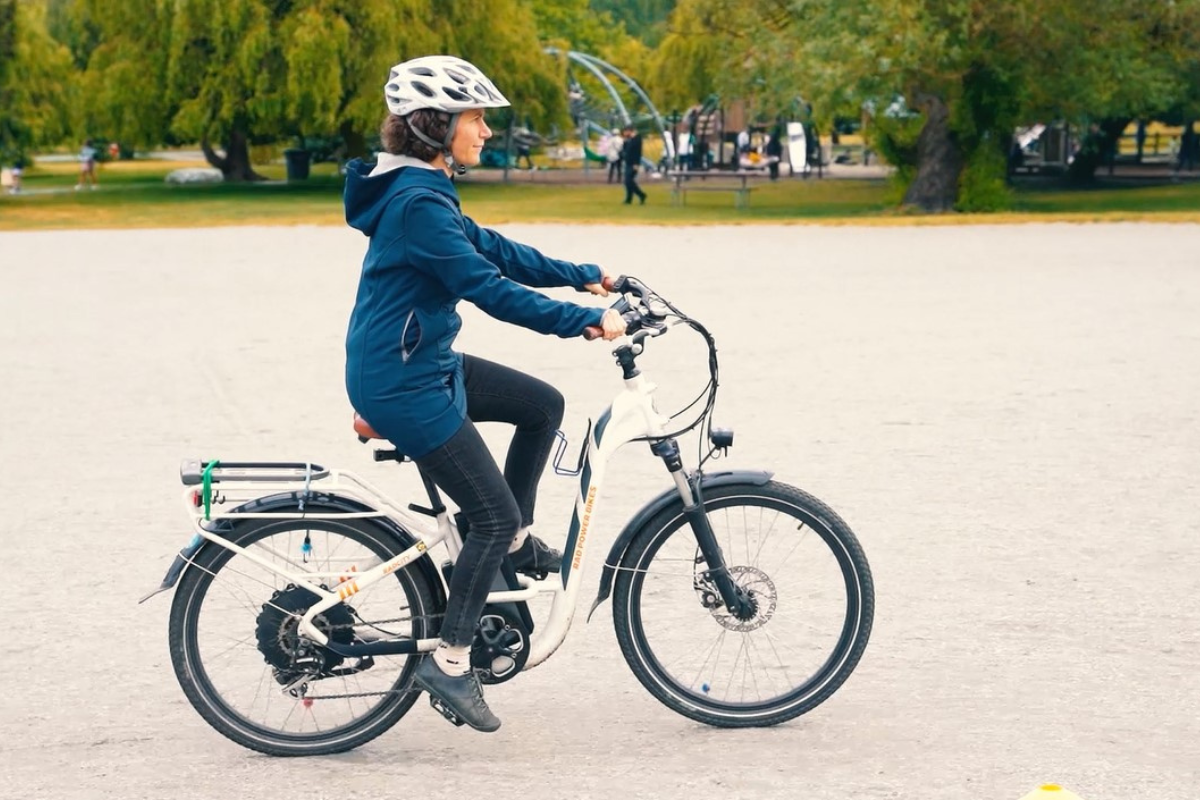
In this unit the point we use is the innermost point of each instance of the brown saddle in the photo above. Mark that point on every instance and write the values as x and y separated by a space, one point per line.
364 430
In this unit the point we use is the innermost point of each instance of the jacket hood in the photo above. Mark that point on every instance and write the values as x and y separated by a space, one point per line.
367 197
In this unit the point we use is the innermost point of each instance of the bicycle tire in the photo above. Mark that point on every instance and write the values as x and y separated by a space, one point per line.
193 674
697 700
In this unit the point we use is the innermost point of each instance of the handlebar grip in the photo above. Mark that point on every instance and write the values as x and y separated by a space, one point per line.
609 282
617 284
592 332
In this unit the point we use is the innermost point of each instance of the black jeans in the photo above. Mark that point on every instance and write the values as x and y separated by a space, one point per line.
495 504
614 171
631 187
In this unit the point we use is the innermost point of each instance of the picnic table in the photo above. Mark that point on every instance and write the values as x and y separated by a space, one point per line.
682 182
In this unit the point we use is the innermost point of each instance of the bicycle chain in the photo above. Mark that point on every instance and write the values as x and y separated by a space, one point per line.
359 695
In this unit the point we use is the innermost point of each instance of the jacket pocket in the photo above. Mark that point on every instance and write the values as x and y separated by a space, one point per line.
410 337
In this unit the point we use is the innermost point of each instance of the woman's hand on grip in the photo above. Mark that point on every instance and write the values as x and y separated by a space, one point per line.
602 288
612 325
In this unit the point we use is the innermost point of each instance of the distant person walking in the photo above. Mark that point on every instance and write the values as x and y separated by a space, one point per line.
18 169
1187 148
523 139
631 154
87 166
774 151
612 154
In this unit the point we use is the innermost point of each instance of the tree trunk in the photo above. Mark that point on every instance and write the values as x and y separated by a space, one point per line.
355 143
939 162
235 164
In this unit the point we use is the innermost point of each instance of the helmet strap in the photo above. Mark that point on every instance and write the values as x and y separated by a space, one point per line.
443 146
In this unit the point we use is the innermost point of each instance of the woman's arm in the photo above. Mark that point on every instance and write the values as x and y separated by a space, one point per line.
438 246
523 264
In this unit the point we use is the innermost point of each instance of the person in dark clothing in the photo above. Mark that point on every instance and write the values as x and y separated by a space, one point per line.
404 377
524 139
631 155
1187 147
774 151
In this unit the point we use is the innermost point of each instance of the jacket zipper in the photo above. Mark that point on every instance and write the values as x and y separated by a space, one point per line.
405 353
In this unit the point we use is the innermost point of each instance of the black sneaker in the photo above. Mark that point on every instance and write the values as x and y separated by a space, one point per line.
457 698
536 558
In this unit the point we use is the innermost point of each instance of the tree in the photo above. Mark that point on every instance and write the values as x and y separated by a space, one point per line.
33 71
643 19
574 25
970 69
235 72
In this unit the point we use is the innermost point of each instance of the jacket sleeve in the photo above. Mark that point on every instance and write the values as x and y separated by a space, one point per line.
523 264
438 246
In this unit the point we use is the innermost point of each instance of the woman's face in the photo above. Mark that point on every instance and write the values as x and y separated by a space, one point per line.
469 136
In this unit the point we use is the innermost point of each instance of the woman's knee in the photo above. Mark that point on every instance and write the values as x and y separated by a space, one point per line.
545 409
499 521
554 407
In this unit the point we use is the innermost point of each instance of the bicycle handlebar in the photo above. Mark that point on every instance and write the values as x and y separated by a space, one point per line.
635 319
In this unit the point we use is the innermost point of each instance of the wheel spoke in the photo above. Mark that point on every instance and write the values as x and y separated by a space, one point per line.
786 561
244 634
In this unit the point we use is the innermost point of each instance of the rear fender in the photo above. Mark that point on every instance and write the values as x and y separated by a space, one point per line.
647 512
291 501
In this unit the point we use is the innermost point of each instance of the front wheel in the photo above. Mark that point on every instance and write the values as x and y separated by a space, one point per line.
812 597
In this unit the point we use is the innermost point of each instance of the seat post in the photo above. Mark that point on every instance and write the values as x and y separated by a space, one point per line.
435 499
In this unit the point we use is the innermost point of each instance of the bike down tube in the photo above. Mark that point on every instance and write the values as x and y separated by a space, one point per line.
631 416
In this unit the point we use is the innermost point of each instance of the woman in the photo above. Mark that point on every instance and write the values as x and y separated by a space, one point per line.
402 375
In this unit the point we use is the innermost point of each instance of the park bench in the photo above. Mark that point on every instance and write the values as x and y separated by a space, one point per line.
735 182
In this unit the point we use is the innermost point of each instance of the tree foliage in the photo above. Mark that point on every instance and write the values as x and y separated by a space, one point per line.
574 25
972 69
34 69
643 19
236 71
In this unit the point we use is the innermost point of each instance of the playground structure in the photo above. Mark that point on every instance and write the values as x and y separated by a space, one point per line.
598 105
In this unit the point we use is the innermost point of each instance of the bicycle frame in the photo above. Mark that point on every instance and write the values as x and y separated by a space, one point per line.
632 415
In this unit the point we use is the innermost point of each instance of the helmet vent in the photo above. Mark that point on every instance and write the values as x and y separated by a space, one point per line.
443 83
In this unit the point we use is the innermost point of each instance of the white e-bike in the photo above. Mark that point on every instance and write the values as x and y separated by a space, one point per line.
306 595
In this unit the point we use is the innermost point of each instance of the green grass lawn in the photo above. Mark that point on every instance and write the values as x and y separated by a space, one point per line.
133 194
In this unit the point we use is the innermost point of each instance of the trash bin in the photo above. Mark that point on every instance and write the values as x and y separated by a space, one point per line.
297 164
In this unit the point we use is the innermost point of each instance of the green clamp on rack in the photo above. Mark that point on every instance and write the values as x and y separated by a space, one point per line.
206 487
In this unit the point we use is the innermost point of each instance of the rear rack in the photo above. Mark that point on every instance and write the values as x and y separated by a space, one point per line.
193 471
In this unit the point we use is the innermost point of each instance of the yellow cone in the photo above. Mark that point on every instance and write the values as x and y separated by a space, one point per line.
1051 791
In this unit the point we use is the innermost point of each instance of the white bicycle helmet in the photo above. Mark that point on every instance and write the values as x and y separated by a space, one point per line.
443 83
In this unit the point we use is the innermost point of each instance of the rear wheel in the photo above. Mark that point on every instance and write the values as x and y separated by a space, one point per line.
237 655
813 604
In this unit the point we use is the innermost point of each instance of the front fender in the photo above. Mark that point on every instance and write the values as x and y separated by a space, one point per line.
707 481
289 501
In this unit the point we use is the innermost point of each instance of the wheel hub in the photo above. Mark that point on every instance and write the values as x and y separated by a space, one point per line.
290 654
758 588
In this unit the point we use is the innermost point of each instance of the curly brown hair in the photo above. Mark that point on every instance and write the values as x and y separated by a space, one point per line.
398 139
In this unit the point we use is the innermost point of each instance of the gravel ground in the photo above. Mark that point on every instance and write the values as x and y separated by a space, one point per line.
1007 417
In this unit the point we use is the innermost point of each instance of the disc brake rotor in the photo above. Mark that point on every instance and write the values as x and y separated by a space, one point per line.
759 588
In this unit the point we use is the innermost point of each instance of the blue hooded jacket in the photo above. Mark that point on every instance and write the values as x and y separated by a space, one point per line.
402 374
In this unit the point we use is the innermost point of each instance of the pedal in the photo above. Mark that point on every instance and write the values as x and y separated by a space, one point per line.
536 574
445 711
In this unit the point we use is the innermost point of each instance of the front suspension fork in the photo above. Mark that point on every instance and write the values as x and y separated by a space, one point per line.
734 598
